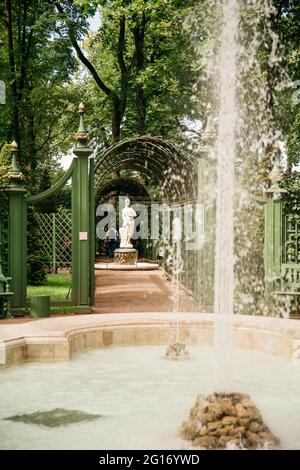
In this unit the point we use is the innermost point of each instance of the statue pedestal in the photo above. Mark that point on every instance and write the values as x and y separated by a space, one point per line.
125 256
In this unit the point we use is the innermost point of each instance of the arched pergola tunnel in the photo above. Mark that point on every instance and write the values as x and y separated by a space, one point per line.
172 170
178 179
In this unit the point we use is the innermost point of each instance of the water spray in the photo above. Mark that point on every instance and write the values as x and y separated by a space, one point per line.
176 350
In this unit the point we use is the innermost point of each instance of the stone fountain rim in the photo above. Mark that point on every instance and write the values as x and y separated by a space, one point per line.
57 339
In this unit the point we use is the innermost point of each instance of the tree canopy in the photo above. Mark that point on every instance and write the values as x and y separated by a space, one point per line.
139 72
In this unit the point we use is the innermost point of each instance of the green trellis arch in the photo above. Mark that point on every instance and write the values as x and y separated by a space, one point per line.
82 173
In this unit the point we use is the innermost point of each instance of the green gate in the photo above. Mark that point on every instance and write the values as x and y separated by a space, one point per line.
81 172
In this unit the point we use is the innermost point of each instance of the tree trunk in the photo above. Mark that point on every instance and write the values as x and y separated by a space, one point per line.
117 117
139 36
31 141
120 101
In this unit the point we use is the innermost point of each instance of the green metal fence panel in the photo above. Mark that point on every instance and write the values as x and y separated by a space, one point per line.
291 238
282 258
4 233
197 274
56 235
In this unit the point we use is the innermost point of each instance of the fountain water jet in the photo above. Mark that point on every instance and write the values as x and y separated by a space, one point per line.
225 152
176 350
226 417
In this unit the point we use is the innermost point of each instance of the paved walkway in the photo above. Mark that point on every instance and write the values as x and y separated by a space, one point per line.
138 291
131 291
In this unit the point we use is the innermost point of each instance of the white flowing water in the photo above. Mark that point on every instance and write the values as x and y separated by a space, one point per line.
225 153
177 267
141 397
175 263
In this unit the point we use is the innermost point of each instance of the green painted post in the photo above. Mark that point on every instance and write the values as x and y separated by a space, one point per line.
81 220
186 257
200 252
92 231
273 247
273 233
269 249
17 236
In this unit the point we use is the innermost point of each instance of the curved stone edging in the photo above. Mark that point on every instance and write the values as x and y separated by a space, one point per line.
57 339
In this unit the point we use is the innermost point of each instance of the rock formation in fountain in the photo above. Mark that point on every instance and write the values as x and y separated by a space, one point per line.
223 420
176 351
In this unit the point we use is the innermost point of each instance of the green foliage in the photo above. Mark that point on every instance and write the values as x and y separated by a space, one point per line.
37 82
156 85
249 238
5 163
287 110
249 252
61 199
292 197
269 111
48 204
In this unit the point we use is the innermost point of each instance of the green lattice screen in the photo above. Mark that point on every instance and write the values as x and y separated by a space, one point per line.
56 234
291 238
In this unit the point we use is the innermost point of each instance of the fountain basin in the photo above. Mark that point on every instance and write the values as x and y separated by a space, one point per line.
57 339
135 398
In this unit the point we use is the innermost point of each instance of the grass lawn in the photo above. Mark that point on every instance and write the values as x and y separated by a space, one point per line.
57 286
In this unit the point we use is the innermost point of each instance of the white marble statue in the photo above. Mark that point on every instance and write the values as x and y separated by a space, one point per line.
126 231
